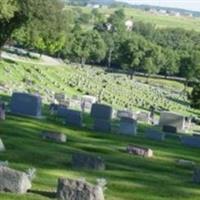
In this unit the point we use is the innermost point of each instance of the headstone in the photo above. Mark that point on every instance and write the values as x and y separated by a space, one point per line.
191 141
101 111
13 181
81 160
172 119
141 151
69 189
143 117
196 175
169 129
26 104
2 114
101 125
87 101
155 135
102 115
75 104
185 163
128 126
60 97
196 134
54 136
72 117
91 99
124 113
2 147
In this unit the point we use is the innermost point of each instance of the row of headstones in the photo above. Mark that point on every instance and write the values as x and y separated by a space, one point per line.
27 104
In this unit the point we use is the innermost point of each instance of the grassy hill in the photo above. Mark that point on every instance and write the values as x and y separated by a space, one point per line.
116 89
159 20
129 177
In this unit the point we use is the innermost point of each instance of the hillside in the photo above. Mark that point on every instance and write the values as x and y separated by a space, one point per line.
128 176
116 89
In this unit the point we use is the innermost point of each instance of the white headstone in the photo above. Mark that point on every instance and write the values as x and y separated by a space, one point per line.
172 119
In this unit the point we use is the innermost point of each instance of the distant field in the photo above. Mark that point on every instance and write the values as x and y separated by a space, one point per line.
159 20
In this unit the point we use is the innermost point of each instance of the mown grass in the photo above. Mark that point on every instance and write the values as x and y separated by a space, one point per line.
129 177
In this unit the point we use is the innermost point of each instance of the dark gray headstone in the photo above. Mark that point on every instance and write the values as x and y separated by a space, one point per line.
196 134
72 117
26 104
102 125
191 141
196 175
81 160
128 126
169 129
101 111
155 135
54 136
2 114
13 181
69 189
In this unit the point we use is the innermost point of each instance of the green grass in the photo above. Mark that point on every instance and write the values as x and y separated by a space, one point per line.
128 176
159 20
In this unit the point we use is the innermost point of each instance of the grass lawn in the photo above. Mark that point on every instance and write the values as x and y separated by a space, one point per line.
129 177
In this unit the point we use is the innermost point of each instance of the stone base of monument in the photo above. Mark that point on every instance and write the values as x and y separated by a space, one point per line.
154 134
128 126
102 125
69 189
54 136
13 181
71 117
86 161
140 151
185 163
191 141
169 129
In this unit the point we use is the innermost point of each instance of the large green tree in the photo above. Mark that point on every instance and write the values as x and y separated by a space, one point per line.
13 13
46 28
88 46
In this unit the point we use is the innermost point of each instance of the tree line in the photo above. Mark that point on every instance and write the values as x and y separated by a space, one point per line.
77 36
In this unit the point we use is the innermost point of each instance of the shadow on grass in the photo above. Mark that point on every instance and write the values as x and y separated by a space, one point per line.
51 195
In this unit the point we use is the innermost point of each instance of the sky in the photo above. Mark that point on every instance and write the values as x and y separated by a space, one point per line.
185 4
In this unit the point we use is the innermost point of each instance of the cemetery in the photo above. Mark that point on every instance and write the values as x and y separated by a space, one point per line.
99 100
70 129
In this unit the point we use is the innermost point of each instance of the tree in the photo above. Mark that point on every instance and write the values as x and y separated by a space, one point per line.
88 46
46 28
113 33
13 13
169 62
190 66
